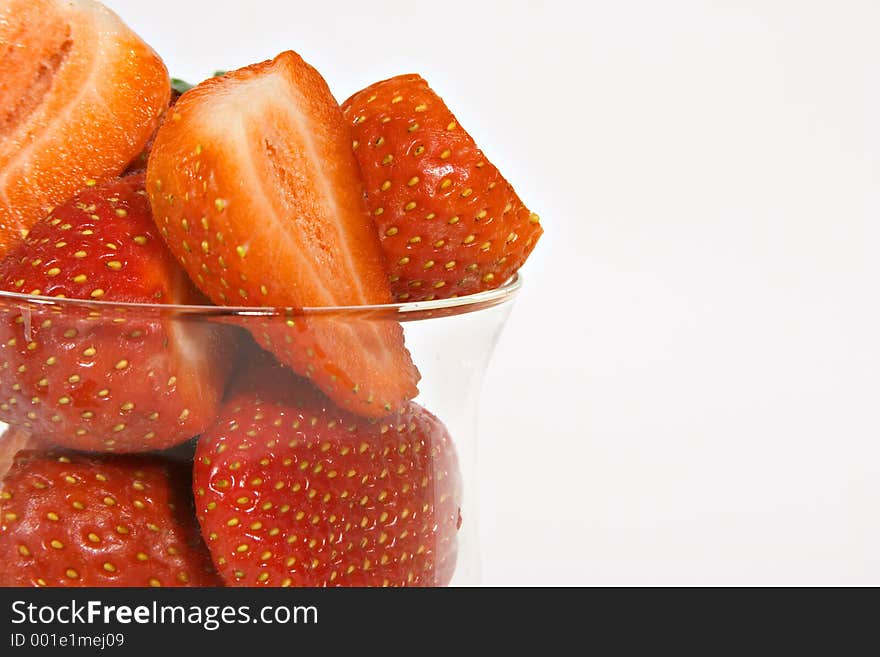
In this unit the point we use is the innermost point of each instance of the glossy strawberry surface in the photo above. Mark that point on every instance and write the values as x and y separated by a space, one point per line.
449 223
96 377
292 491
70 519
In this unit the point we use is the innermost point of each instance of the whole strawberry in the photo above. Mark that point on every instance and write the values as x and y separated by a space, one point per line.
449 223
292 491
70 519
103 378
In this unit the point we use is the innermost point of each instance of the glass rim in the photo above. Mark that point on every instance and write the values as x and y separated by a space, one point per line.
401 311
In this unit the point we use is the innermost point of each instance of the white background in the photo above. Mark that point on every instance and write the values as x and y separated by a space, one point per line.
687 390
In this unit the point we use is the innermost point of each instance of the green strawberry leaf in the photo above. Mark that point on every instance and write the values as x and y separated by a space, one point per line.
180 86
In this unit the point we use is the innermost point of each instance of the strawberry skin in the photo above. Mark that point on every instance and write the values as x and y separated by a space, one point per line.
70 519
256 191
449 223
99 379
292 491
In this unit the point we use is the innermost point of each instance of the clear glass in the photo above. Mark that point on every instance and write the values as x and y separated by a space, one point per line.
451 342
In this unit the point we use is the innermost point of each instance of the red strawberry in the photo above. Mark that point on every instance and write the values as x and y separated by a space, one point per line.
96 378
291 491
449 223
80 95
256 191
71 519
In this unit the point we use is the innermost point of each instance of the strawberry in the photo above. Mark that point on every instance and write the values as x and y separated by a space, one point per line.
96 378
80 95
257 193
70 519
449 223
292 491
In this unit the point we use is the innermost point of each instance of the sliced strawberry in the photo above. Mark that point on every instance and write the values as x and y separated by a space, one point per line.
71 519
449 223
100 379
80 95
256 191
292 491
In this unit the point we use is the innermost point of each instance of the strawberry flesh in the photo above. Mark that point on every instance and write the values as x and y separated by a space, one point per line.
257 193
69 519
449 223
80 95
292 491
98 378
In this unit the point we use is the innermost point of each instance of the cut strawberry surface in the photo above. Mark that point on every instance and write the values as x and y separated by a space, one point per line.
292 491
70 519
113 379
449 223
80 95
257 193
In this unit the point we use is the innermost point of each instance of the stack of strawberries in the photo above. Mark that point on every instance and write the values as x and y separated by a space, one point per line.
312 465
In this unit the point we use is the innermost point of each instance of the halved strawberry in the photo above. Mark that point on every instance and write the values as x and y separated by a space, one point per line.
70 519
256 191
80 95
106 378
292 491
449 223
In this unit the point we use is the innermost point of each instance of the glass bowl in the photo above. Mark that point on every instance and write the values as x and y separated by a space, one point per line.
451 342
